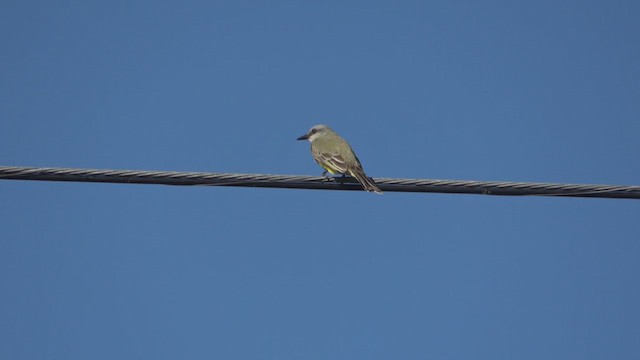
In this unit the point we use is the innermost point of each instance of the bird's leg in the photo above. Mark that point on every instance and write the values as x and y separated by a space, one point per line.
326 177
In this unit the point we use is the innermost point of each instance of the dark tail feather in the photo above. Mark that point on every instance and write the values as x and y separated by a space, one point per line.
366 183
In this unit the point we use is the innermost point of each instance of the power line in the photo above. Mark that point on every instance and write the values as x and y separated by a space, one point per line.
316 182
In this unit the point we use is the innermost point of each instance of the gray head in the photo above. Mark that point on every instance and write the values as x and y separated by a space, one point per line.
315 131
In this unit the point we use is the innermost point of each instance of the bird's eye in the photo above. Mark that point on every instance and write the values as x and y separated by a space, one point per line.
313 131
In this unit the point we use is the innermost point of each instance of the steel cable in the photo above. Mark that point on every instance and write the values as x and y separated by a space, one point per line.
317 182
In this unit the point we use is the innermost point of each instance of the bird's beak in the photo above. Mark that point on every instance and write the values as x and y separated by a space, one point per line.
304 137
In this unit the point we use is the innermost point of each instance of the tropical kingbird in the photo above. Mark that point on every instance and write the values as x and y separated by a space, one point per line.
334 154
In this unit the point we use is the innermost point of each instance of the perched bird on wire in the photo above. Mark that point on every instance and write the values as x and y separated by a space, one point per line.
334 154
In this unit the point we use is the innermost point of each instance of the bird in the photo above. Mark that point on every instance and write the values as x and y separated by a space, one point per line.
336 156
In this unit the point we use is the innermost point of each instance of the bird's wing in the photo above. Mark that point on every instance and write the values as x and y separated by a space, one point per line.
332 161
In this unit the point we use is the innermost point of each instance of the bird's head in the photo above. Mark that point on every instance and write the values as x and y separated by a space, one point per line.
314 132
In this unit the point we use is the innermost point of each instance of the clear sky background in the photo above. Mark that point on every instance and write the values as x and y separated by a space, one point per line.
504 90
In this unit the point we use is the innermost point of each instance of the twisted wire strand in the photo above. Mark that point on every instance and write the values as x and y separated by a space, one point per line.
317 182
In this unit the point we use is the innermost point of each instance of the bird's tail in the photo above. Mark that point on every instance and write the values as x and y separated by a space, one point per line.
365 181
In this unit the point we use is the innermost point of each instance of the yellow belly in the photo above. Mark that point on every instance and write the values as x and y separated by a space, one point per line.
329 169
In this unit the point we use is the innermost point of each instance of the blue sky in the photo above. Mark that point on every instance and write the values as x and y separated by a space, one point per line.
510 91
